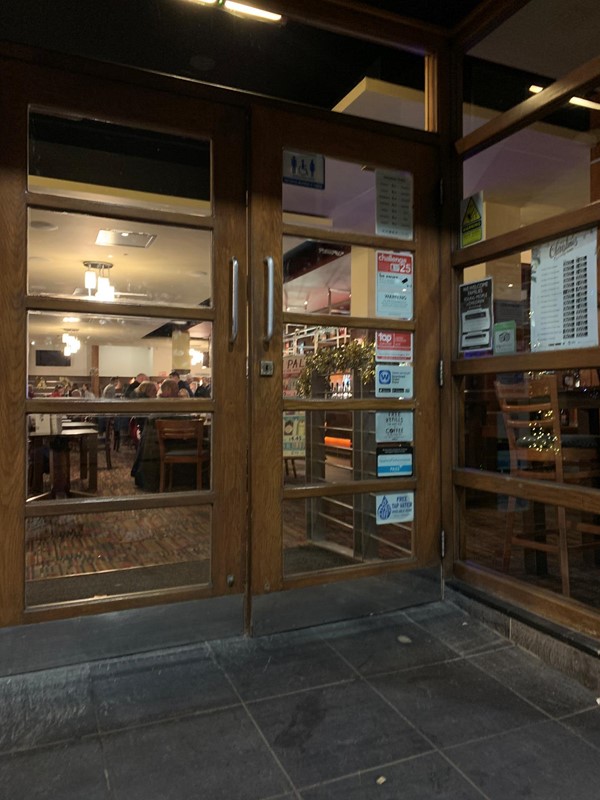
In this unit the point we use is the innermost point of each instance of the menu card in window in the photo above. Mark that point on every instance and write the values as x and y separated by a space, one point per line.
564 311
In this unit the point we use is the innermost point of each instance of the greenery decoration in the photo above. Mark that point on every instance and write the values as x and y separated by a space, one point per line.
355 356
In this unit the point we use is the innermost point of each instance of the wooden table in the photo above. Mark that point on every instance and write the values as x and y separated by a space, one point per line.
60 461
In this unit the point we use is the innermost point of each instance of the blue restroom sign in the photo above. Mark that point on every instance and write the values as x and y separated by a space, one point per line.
304 169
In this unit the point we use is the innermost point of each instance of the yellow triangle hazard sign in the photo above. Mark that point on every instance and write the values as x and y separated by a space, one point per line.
471 225
472 213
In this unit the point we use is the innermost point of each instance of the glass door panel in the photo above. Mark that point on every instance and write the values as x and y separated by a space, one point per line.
135 475
345 288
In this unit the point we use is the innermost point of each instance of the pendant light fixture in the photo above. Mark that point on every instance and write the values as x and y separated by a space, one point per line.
96 277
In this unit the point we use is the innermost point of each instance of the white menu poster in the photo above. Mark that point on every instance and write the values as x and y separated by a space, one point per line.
564 313
394 190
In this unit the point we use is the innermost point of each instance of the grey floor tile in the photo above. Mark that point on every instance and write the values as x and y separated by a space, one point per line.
539 762
61 772
146 688
327 733
218 755
281 663
456 629
427 777
587 725
44 707
538 683
454 702
383 644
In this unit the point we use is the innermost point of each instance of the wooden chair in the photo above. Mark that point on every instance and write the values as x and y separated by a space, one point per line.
538 449
180 441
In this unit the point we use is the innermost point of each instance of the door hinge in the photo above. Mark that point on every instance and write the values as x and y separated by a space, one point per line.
442 543
441 372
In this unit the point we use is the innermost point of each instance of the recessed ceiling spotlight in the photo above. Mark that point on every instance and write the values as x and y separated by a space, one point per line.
42 225
251 11
111 238
574 101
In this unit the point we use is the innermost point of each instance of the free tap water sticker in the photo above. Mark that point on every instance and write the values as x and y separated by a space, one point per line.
393 381
391 508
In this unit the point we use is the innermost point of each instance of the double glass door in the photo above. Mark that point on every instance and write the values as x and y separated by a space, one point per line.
287 272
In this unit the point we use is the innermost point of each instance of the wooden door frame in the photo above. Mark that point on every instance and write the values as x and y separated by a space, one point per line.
56 90
274 129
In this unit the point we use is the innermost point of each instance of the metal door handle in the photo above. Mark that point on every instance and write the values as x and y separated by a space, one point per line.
270 265
235 292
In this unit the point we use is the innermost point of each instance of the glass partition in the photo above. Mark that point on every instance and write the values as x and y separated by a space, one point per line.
336 446
522 538
86 456
540 300
82 556
549 415
94 160
343 531
114 260
95 356
331 194
536 173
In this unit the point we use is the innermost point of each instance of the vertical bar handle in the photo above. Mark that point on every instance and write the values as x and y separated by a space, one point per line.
270 265
235 296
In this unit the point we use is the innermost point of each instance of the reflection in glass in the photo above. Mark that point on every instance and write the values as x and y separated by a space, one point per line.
100 455
518 185
342 196
488 518
109 345
103 259
343 363
78 556
336 446
323 533
93 160
577 410
324 278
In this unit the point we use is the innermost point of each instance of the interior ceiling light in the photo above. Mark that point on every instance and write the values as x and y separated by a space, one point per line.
251 11
575 101
96 277
71 343
124 238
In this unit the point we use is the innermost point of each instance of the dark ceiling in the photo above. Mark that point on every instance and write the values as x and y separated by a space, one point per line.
445 13
292 62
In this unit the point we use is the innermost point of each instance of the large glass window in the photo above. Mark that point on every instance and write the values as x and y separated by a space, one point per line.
94 160
120 261
537 173
540 300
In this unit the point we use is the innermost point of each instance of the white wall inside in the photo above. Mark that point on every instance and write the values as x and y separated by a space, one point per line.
124 362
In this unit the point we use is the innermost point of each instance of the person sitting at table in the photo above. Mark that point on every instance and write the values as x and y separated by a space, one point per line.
112 387
146 466
183 387
148 390
58 391
134 384
169 388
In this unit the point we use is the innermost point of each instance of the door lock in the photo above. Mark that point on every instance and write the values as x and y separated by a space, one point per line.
266 369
